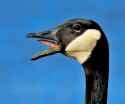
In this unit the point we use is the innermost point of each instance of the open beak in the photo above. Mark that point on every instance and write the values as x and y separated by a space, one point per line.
48 38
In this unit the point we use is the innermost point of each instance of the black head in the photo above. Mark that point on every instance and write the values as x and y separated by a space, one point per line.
76 38
72 29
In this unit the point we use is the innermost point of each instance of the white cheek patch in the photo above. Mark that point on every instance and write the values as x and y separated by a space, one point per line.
81 47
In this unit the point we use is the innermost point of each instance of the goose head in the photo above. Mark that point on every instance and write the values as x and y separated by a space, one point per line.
75 38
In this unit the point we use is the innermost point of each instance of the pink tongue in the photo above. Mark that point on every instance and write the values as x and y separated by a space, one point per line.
50 44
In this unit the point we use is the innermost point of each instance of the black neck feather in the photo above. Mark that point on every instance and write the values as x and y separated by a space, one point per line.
96 71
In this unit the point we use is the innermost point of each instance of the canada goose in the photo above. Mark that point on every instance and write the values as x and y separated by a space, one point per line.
84 41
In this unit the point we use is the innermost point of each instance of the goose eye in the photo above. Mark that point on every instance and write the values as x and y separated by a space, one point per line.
76 27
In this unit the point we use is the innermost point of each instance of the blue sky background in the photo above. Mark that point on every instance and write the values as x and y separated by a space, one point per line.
55 79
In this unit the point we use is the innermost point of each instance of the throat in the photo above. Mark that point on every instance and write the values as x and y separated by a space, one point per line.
96 82
96 89
96 72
